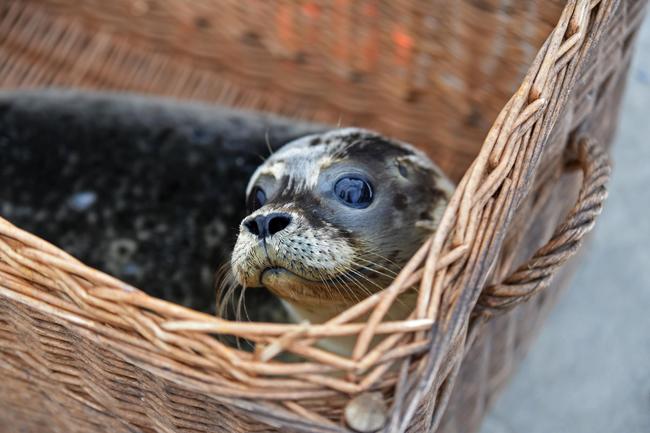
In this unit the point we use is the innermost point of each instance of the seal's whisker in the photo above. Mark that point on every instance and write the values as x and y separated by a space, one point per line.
373 252
346 292
323 279
241 306
375 267
356 273
226 284
365 278
227 300
268 142
368 270
339 283
366 291
354 281
388 272
344 289
360 268
398 300
332 289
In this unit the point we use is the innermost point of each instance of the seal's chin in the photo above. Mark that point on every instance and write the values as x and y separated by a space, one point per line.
294 288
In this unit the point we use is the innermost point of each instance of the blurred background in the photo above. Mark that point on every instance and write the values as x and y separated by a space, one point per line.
589 370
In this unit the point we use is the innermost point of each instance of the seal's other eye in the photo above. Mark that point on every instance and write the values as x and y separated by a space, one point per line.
256 199
353 192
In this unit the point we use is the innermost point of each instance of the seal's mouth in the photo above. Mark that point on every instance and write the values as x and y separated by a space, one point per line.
293 287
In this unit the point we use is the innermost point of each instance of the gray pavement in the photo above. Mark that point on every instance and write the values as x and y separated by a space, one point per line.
589 370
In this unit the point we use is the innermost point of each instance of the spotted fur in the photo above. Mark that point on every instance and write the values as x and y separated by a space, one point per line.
331 256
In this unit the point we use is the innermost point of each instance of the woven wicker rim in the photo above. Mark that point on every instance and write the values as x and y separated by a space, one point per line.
450 270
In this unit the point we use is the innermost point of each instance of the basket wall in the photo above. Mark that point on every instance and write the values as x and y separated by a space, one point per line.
434 75
59 366
592 111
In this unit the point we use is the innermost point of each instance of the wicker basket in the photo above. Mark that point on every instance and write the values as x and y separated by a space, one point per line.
82 351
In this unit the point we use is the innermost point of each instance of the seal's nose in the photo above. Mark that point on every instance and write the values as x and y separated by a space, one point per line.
263 226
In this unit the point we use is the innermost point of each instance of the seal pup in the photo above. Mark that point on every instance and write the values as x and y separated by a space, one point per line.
333 217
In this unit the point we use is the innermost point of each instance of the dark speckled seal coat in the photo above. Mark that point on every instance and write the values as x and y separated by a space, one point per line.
313 243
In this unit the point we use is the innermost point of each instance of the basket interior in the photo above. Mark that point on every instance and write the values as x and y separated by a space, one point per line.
145 189
432 74
152 191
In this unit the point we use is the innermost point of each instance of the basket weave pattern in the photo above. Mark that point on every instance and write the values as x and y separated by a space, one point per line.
76 341
387 66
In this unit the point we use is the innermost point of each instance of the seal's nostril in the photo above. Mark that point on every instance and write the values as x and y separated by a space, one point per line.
277 223
251 225
267 225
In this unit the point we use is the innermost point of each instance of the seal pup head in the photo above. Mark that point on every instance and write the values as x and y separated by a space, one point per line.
333 217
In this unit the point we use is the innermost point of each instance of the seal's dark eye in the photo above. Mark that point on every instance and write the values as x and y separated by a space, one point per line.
354 192
256 199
